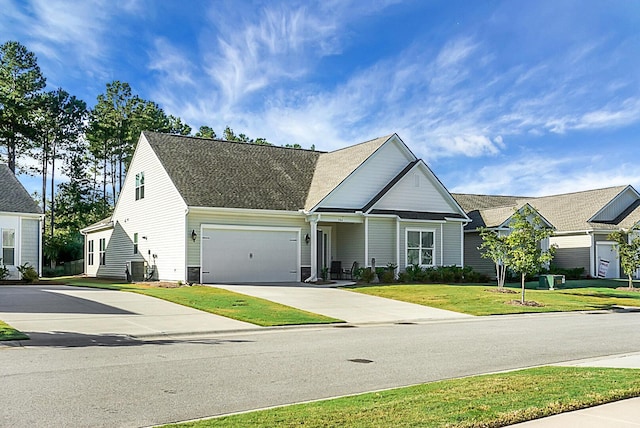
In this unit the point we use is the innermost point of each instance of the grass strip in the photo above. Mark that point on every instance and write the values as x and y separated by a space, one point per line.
9 333
237 306
481 401
220 302
479 300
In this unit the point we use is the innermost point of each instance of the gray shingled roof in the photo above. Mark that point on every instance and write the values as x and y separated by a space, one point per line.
215 173
14 197
566 212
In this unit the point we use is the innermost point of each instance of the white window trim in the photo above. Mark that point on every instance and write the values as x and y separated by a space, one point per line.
102 252
406 245
139 186
2 247
90 252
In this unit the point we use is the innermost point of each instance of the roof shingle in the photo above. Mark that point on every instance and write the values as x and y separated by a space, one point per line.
13 196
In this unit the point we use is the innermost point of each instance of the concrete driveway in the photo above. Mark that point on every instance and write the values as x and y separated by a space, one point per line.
342 304
59 312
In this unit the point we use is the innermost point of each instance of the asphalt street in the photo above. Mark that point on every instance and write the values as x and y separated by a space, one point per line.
115 381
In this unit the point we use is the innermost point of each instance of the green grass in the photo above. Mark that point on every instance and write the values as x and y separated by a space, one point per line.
480 401
9 333
218 301
476 300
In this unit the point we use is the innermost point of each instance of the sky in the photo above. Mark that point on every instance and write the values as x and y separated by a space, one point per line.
513 97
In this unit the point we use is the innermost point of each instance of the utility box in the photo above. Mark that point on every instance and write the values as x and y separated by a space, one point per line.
550 281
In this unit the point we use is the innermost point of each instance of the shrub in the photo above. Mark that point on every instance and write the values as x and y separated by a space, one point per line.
569 273
29 274
4 272
367 275
388 277
48 272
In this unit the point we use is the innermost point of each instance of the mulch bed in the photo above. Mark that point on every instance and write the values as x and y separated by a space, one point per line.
160 284
526 303
500 290
628 289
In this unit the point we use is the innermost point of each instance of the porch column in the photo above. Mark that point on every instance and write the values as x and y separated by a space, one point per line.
314 251
366 241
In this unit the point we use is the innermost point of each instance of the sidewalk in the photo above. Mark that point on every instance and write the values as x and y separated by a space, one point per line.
619 414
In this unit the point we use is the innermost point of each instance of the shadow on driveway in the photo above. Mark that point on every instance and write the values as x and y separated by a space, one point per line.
39 299
64 339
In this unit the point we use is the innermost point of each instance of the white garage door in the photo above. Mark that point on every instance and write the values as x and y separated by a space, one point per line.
607 261
249 255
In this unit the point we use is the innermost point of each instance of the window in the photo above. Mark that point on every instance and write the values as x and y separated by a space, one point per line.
140 186
8 247
135 243
102 253
90 253
420 247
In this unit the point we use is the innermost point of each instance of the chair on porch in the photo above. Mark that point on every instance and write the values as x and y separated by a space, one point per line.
348 273
335 272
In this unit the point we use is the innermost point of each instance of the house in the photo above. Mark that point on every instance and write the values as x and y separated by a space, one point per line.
211 211
581 222
20 225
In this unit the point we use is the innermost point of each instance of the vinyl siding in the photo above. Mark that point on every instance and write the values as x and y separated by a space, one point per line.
159 216
196 218
96 269
375 173
30 243
472 256
382 240
572 251
619 204
417 191
452 242
350 243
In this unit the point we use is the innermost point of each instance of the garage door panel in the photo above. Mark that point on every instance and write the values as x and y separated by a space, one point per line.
236 255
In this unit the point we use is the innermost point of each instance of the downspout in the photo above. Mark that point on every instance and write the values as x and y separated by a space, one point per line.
186 246
592 255
397 246
462 245
441 244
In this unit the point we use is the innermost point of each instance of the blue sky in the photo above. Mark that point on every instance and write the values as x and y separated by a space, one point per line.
499 97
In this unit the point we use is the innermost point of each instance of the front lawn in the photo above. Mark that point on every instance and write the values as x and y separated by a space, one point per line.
218 301
9 333
479 401
479 300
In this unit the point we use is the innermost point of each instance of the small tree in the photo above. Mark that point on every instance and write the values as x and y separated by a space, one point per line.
494 247
628 248
525 255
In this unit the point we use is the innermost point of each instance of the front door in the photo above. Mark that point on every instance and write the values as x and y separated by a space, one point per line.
323 240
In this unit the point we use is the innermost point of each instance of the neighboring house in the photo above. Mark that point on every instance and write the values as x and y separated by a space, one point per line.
581 222
201 210
20 225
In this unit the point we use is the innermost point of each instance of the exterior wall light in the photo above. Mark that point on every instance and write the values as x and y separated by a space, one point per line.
194 235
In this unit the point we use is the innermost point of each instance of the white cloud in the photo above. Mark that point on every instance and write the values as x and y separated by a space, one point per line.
537 175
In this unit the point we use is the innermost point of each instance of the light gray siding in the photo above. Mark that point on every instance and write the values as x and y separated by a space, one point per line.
30 239
350 243
452 244
382 240
417 191
572 251
375 173
472 256
617 206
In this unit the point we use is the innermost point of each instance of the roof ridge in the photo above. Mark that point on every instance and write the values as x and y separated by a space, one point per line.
220 140
386 137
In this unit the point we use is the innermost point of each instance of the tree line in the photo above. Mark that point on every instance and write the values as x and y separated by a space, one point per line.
45 131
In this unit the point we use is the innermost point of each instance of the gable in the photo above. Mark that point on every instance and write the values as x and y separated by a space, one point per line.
14 197
371 176
616 206
418 190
